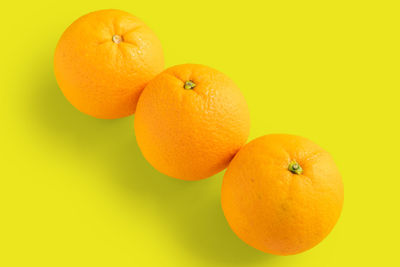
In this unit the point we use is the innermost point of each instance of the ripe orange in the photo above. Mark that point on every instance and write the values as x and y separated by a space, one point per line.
190 121
282 194
104 60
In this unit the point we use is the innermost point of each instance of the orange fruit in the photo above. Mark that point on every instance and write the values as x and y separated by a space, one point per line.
282 194
104 60
190 121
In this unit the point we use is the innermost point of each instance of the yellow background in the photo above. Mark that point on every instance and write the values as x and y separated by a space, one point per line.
76 191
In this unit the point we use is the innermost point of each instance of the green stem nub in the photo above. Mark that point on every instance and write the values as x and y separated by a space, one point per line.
189 85
295 168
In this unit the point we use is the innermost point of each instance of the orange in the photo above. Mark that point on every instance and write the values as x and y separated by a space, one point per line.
104 60
190 121
282 194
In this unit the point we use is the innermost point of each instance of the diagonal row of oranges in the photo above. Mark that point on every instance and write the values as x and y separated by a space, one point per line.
281 194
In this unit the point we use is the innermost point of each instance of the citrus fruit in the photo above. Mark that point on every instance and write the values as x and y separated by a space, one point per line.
190 121
103 61
282 194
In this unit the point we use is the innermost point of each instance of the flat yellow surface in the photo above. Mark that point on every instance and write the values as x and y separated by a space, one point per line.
76 191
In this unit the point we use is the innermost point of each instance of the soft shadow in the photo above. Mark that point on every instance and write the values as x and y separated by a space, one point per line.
55 118
191 210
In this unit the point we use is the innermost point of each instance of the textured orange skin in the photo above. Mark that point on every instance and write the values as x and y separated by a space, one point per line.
274 210
191 134
100 77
